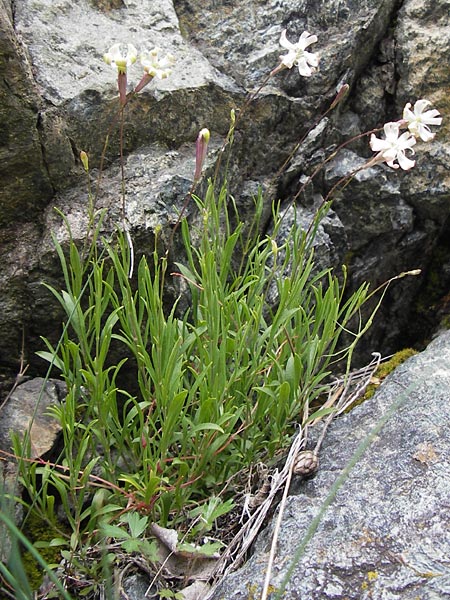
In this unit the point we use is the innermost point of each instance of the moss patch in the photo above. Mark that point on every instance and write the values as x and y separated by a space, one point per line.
39 530
381 373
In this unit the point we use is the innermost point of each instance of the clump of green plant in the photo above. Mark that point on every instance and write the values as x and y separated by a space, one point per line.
218 386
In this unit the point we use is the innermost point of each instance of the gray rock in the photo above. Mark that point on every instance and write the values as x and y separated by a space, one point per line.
329 243
25 413
371 205
72 76
60 98
423 25
135 587
25 187
384 533
9 489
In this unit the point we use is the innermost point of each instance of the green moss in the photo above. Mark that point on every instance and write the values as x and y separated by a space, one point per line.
33 570
399 357
381 373
252 591
445 322
107 5
39 530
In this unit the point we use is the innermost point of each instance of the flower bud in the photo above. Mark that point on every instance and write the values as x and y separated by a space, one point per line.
201 148
341 95
84 160
274 245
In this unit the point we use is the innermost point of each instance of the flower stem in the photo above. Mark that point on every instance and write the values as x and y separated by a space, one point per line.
317 170
240 114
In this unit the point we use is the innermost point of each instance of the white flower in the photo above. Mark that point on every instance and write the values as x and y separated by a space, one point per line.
297 55
393 147
155 66
121 56
418 119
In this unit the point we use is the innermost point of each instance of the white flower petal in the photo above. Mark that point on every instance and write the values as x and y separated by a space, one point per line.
392 164
425 133
121 56
406 140
420 106
306 39
155 66
303 67
391 131
297 55
408 114
390 153
404 162
284 42
418 119
431 117
376 144
289 59
312 58
394 147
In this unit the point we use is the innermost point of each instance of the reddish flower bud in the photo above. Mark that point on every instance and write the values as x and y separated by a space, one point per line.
201 148
341 95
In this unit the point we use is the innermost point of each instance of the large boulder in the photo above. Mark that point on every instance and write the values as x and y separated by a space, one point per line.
62 98
376 514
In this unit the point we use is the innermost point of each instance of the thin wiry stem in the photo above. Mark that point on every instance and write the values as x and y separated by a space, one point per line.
125 227
118 114
336 100
21 372
240 114
323 163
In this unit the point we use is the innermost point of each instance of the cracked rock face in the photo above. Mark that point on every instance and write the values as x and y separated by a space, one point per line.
23 190
384 532
59 97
